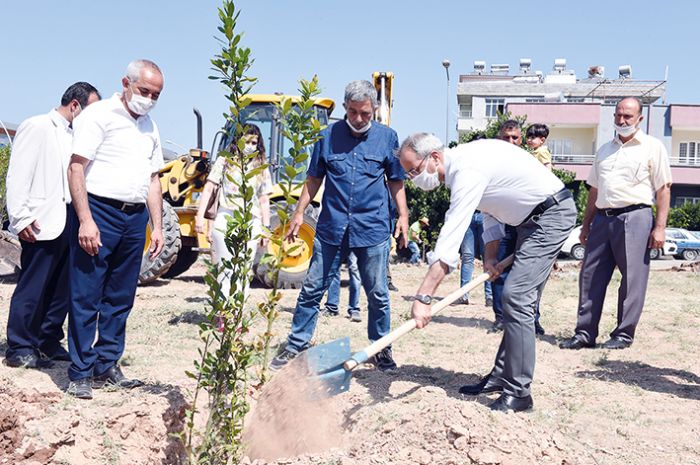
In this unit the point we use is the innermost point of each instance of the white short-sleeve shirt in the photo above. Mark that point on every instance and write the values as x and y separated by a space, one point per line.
124 152
630 173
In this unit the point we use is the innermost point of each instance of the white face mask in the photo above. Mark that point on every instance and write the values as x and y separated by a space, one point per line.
625 131
249 148
363 129
427 181
139 104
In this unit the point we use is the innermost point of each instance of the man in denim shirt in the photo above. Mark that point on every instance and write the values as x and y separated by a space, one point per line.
356 159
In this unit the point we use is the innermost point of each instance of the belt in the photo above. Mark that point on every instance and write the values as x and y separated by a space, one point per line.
549 202
620 211
126 207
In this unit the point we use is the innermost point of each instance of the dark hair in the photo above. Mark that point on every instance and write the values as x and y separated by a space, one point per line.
253 130
537 130
508 125
79 91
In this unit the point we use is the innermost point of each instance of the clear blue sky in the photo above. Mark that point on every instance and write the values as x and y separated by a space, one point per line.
47 45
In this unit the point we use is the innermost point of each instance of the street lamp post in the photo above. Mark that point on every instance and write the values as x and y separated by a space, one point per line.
446 64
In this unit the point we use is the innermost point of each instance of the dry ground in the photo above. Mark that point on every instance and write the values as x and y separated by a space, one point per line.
637 406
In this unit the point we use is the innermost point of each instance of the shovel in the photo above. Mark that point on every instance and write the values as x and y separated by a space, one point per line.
332 362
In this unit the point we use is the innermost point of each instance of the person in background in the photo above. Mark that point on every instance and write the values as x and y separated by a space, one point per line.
355 159
471 248
415 239
227 176
333 298
630 174
37 198
115 187
536 137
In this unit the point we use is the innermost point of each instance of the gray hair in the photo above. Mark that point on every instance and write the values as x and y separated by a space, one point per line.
133 70
423 144
359 91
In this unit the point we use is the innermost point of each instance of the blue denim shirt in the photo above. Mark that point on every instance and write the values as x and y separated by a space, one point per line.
355 196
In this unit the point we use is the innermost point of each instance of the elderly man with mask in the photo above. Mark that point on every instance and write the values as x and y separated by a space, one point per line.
630 174
114 183
356 158
508 187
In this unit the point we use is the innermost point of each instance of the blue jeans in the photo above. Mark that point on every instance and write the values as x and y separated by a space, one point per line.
472 247
333 299
415 252
325 262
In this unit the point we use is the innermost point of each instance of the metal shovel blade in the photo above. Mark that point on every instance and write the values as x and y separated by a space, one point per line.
326 362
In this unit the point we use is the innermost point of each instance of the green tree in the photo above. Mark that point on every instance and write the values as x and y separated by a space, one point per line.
4 164
686 216
581 202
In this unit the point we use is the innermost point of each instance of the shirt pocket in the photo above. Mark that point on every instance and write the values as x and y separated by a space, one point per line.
374 165
337 163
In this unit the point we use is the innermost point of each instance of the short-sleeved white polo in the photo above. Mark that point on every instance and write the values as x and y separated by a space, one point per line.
124 152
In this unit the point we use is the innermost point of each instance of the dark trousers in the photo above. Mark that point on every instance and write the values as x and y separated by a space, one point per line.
539 242
506 247
40 301
615 241
103 288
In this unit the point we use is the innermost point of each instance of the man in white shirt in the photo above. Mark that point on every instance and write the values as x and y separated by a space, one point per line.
630 174
37 194
509 187
113 178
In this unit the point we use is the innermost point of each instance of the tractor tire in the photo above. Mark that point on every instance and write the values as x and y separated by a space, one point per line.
10 252
154 269
185 259
293 271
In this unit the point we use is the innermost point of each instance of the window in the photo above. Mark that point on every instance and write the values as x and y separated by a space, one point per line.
465 111
560 146
680 201
534 100
574 99
494 106
689 153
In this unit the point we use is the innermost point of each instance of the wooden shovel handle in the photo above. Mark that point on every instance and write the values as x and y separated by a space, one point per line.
410 325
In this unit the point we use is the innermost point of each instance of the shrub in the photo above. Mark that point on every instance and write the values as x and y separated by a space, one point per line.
4 163
686 216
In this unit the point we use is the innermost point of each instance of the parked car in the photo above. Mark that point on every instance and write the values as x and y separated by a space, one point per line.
575 249
687 243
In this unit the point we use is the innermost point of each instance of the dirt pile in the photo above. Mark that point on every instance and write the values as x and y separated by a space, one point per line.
293 415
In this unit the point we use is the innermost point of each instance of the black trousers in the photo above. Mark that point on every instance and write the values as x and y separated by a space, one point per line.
40 301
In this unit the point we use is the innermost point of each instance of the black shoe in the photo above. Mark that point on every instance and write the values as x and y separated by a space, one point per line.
617 343
59 354
282 359
489 302
384 361
328 312
508 403
497 327
27 361
80 388
539 330
575 343
115 377
487 384
461 301
393 288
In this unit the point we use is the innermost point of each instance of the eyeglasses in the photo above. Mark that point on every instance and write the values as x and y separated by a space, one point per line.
416 171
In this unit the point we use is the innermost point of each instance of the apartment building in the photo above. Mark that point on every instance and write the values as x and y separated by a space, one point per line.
579 113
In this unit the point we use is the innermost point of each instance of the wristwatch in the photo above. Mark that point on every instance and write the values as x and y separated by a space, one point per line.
426 299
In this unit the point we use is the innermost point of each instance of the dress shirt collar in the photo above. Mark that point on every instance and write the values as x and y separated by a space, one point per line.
637 138
59 121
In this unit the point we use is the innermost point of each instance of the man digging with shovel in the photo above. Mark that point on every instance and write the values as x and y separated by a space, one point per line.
509 188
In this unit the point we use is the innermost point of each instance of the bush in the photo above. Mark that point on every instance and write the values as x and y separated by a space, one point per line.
686 216
4 163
